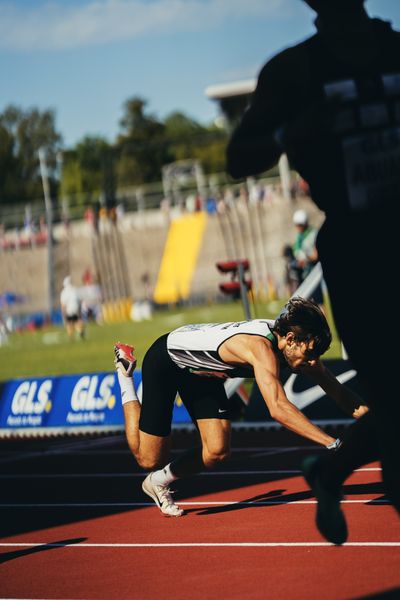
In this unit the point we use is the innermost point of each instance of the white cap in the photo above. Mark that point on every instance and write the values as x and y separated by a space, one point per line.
300 217
67 281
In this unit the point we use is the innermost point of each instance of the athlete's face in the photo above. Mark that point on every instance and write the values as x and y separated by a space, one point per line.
298 354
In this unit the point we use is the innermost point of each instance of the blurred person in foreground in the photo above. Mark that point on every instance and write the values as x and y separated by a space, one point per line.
332 103
194 361
71 309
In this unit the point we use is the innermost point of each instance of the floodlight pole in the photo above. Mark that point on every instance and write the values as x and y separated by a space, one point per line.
284 171
243 292
49 222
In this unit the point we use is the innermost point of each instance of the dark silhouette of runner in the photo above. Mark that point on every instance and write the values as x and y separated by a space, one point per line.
332 103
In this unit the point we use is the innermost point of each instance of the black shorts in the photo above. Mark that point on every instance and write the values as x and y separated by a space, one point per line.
72 318
203 397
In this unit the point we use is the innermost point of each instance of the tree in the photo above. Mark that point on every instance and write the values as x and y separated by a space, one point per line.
141 147
189 139
23 133
88 172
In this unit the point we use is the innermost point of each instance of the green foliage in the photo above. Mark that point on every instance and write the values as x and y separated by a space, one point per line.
22 133
141 145
94 169
85 169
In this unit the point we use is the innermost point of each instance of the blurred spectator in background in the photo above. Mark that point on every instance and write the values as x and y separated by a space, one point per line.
293 272
211 204
305 251
3 330
91 299
71 309
87 277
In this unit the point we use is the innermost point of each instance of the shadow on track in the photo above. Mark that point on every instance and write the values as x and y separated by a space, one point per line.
6 556
58 497
277 497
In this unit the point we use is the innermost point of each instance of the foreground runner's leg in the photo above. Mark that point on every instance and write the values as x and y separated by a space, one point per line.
159 491
330 519
326 475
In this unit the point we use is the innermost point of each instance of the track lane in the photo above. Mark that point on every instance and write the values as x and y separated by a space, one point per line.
269 508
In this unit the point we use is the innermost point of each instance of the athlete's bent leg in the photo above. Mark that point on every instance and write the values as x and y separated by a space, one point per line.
216 441
215 437
150 451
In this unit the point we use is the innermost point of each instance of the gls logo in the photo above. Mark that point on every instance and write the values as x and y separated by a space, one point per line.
89 395
30 398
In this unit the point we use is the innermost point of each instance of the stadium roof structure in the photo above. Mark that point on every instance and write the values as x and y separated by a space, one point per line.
229 90
232 98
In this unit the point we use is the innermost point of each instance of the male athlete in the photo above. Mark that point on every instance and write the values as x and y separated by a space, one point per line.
194 360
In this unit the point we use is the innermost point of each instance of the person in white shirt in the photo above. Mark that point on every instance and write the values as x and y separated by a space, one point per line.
71 309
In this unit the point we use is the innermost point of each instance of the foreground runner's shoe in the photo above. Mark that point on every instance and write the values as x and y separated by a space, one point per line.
161 495
330 519
124 360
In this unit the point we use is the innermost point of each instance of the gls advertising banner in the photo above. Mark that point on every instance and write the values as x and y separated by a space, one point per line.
92 402
89 402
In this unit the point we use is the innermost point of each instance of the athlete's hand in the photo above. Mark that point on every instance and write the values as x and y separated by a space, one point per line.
360 411
312 367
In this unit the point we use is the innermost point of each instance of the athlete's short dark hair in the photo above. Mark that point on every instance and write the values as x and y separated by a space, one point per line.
307 322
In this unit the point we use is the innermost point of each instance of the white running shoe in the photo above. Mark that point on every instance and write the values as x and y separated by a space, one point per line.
124 360
161 495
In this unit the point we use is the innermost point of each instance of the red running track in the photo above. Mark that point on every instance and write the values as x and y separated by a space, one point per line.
76 525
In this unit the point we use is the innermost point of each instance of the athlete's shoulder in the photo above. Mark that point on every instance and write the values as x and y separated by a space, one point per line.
288 67
290 57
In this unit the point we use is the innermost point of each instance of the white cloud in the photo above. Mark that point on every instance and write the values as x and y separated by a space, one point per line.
57 25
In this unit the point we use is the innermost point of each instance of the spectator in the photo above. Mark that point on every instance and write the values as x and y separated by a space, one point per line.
293 272
3 330
332 104
71 309
91 301
305 251
87 277
211 204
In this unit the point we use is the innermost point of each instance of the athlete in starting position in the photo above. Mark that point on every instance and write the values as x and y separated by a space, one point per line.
194 360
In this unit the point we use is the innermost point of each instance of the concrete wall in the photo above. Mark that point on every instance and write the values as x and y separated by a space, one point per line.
254 231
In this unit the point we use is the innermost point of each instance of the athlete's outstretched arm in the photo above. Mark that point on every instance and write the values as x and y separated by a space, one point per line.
345 398
257 352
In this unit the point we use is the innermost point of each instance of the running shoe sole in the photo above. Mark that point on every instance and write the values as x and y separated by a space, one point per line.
330 519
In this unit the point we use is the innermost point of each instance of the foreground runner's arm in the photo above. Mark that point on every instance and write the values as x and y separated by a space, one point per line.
345 398
257 352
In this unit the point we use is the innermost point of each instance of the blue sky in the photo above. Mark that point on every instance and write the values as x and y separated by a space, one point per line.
84 58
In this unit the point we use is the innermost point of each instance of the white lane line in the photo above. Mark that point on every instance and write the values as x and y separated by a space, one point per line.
201 545
181 503
11 456
142 475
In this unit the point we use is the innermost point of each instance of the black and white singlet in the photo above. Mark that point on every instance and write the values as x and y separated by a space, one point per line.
195 347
